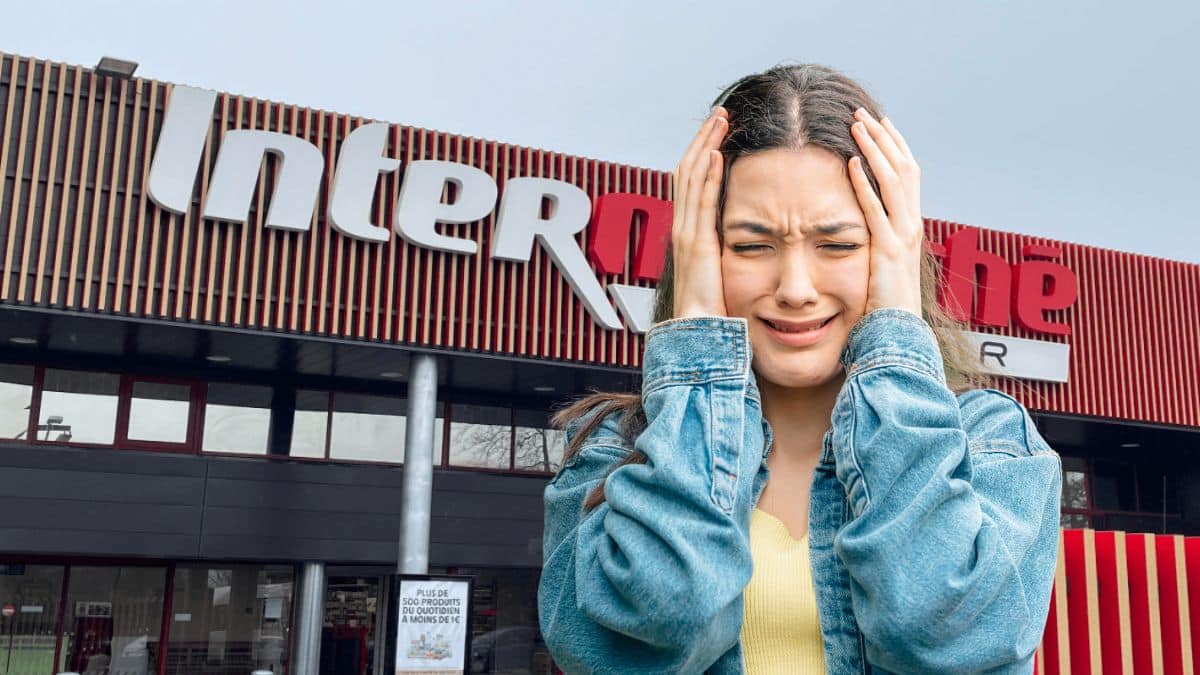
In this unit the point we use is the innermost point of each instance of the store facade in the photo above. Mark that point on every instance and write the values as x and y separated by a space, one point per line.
209 306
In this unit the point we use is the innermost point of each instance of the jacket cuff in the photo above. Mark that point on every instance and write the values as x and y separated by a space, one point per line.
696 350
893 336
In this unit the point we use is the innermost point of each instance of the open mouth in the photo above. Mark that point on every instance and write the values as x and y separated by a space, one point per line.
798 328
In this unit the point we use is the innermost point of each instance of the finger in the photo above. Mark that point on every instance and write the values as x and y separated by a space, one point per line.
912 177
682 174
889 180
897 138
709 195
877 219
698 176
896 157
693 149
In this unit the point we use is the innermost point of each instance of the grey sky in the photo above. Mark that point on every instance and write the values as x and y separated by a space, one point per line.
1069 120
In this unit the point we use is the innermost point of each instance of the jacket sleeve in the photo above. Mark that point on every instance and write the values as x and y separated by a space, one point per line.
953 537
651 580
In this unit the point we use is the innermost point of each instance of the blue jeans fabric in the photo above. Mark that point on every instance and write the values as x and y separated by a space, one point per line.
933 518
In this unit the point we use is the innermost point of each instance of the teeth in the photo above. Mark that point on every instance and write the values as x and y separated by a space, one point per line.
786 330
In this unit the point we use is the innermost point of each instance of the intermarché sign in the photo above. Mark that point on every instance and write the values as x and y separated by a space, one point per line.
976 280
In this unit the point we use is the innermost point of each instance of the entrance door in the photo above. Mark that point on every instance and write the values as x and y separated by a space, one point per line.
113 621
348 637
29 600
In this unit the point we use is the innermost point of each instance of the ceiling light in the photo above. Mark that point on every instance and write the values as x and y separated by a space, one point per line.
543 388
218 358
391 374
1131 445
118 68
23 340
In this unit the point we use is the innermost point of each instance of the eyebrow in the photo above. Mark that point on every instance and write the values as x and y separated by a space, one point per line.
821 228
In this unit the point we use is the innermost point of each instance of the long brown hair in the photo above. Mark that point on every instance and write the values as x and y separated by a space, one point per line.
788 106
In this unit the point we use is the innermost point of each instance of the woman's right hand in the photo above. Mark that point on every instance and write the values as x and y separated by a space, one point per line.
694 243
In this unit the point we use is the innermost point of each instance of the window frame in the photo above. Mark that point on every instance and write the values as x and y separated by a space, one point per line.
196 395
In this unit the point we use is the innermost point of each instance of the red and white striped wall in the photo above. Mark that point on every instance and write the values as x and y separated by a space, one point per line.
1123 603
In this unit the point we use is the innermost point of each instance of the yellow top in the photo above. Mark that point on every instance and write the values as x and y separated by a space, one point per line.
781 630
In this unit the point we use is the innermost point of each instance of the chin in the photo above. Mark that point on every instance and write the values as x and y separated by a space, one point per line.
795 375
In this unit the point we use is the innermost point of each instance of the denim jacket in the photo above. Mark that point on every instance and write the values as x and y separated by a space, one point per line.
933 518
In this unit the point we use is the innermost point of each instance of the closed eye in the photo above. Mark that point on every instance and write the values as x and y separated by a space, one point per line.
841 247
747 247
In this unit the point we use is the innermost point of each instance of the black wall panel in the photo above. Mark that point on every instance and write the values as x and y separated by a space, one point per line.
112 503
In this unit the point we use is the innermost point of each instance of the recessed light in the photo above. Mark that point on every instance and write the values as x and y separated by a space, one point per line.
1131 445
543 388
218 358
23 340
391 374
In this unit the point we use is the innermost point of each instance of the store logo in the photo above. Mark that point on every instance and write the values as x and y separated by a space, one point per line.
1033 286
519 224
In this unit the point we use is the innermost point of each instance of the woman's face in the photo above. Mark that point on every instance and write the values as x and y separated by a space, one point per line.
796 250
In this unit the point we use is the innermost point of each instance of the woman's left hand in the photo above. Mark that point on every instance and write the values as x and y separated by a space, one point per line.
897 231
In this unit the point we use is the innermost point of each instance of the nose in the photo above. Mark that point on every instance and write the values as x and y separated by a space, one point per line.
797 282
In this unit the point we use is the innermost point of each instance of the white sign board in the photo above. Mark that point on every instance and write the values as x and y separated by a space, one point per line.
433 625
1021 357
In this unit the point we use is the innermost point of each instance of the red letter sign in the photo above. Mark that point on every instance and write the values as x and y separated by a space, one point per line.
1042 286
612 221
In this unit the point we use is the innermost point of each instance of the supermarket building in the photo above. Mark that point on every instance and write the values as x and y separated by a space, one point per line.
209 307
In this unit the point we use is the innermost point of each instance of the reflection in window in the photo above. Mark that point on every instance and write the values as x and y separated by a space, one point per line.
538 446
159 412
1074 520
480 436
114 617
504 616
27 640
309 424
78 407
16 393
237 418
1074 490
369 428
229 619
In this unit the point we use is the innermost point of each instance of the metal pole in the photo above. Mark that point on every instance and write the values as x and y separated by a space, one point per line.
310 617
417 495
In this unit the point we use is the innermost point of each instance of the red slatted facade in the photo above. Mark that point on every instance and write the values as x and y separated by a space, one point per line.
78 232
1123 603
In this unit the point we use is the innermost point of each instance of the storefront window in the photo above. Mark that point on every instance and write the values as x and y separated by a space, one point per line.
78 407
505 637
16 393
237 419
159 412
1113 485
538 446
27 637
480 436
113 621
371 428
230 620
310 424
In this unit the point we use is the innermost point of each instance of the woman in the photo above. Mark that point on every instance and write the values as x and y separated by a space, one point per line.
809 480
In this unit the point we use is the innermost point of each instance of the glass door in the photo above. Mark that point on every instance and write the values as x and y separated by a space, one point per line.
113 621
29 600
348 636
